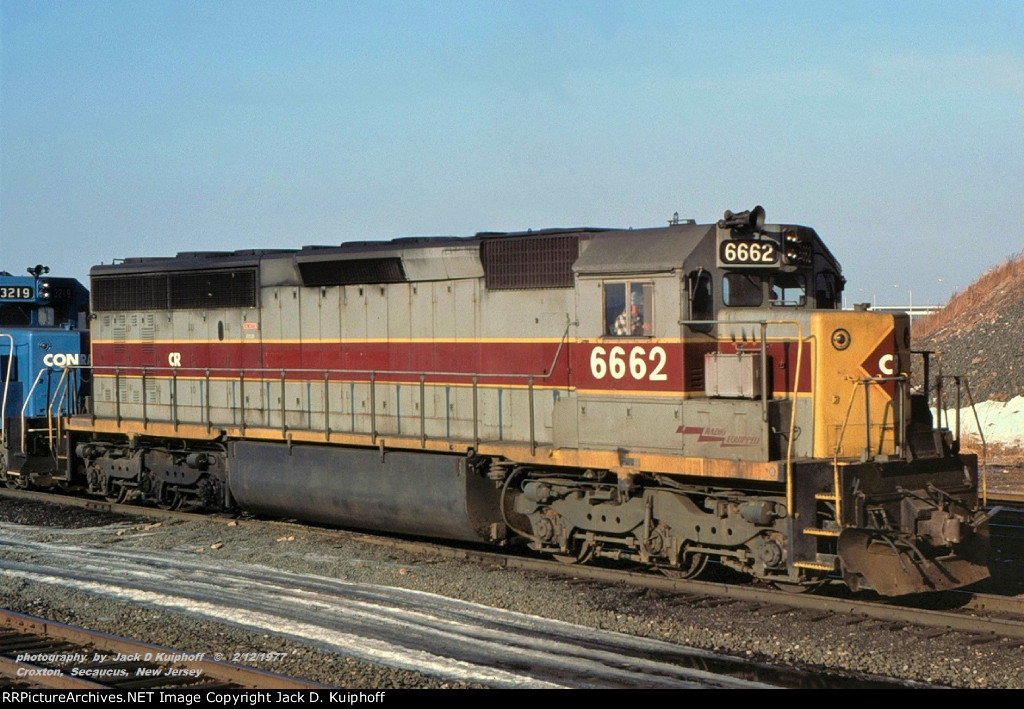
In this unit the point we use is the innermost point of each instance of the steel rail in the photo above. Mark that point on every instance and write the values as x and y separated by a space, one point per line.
878 610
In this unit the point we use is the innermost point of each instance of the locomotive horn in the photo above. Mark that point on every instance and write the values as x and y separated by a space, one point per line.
750 220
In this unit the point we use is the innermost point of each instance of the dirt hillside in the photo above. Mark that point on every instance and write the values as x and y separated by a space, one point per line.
979 333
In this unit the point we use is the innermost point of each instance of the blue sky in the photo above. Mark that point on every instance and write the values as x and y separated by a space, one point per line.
145 127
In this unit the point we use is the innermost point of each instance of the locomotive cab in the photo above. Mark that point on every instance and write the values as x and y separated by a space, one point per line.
767 383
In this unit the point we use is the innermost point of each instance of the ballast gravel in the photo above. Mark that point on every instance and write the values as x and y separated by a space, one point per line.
786 638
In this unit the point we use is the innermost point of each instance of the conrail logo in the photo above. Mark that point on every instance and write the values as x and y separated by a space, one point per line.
62 359
711 434
881 364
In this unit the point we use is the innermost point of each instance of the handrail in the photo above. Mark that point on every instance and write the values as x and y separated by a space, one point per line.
280 374
939 409
942 416
790 492
59 397
901 382
475 379
763 324
899 427
977 423
7 383
59 392
984 445
27 399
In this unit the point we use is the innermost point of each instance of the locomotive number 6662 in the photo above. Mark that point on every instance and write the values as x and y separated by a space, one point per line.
666 396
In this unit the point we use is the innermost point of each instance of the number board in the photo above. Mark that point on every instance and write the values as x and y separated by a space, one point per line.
17 293
748 252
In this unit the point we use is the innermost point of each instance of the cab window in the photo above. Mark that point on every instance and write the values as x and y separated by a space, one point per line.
15 316
741 290
629 309
826 290
700 287
702 302
5 362
788 290
45 317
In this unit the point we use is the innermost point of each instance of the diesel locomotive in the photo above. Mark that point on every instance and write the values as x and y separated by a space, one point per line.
44 347
666 396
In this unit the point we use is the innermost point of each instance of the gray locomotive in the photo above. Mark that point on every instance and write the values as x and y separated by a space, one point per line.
667 396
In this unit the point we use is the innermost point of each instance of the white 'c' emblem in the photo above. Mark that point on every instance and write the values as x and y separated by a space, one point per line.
885 364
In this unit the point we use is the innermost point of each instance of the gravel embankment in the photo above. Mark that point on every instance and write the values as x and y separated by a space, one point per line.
977 334
784 638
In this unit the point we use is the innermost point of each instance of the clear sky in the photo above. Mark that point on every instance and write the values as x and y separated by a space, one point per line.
148 127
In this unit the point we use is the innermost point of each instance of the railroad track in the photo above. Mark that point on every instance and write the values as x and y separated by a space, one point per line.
1007 500
39 653
963 617
955 611
1006 530
508 649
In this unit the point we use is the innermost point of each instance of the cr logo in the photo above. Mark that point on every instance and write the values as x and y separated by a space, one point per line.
174 359
885 364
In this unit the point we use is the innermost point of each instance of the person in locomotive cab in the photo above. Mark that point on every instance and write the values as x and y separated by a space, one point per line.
631 320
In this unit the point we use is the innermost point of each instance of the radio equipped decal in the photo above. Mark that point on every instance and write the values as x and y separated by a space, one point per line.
713 434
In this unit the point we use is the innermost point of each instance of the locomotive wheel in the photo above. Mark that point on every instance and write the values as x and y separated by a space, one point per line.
582 556
118 497
190 504
692 567
170 502
570 559
798 587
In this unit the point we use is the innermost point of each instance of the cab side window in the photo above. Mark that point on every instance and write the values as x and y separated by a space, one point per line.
15 316
789 289
826 291
702 301
700 286
741 290
5 362
629 309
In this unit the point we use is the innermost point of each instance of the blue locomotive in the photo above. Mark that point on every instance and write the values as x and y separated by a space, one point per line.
44 350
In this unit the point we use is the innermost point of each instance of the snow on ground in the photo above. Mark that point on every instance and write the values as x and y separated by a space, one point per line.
1002 422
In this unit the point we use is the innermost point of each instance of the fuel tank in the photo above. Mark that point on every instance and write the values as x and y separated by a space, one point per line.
420 494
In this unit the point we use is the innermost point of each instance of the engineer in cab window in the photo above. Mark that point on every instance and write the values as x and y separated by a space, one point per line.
631 320
634 312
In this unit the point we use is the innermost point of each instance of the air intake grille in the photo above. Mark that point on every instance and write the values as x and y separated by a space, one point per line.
192 290
347 272
516 263
213 289
129 293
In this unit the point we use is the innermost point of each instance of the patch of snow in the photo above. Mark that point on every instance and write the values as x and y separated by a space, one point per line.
1001 422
